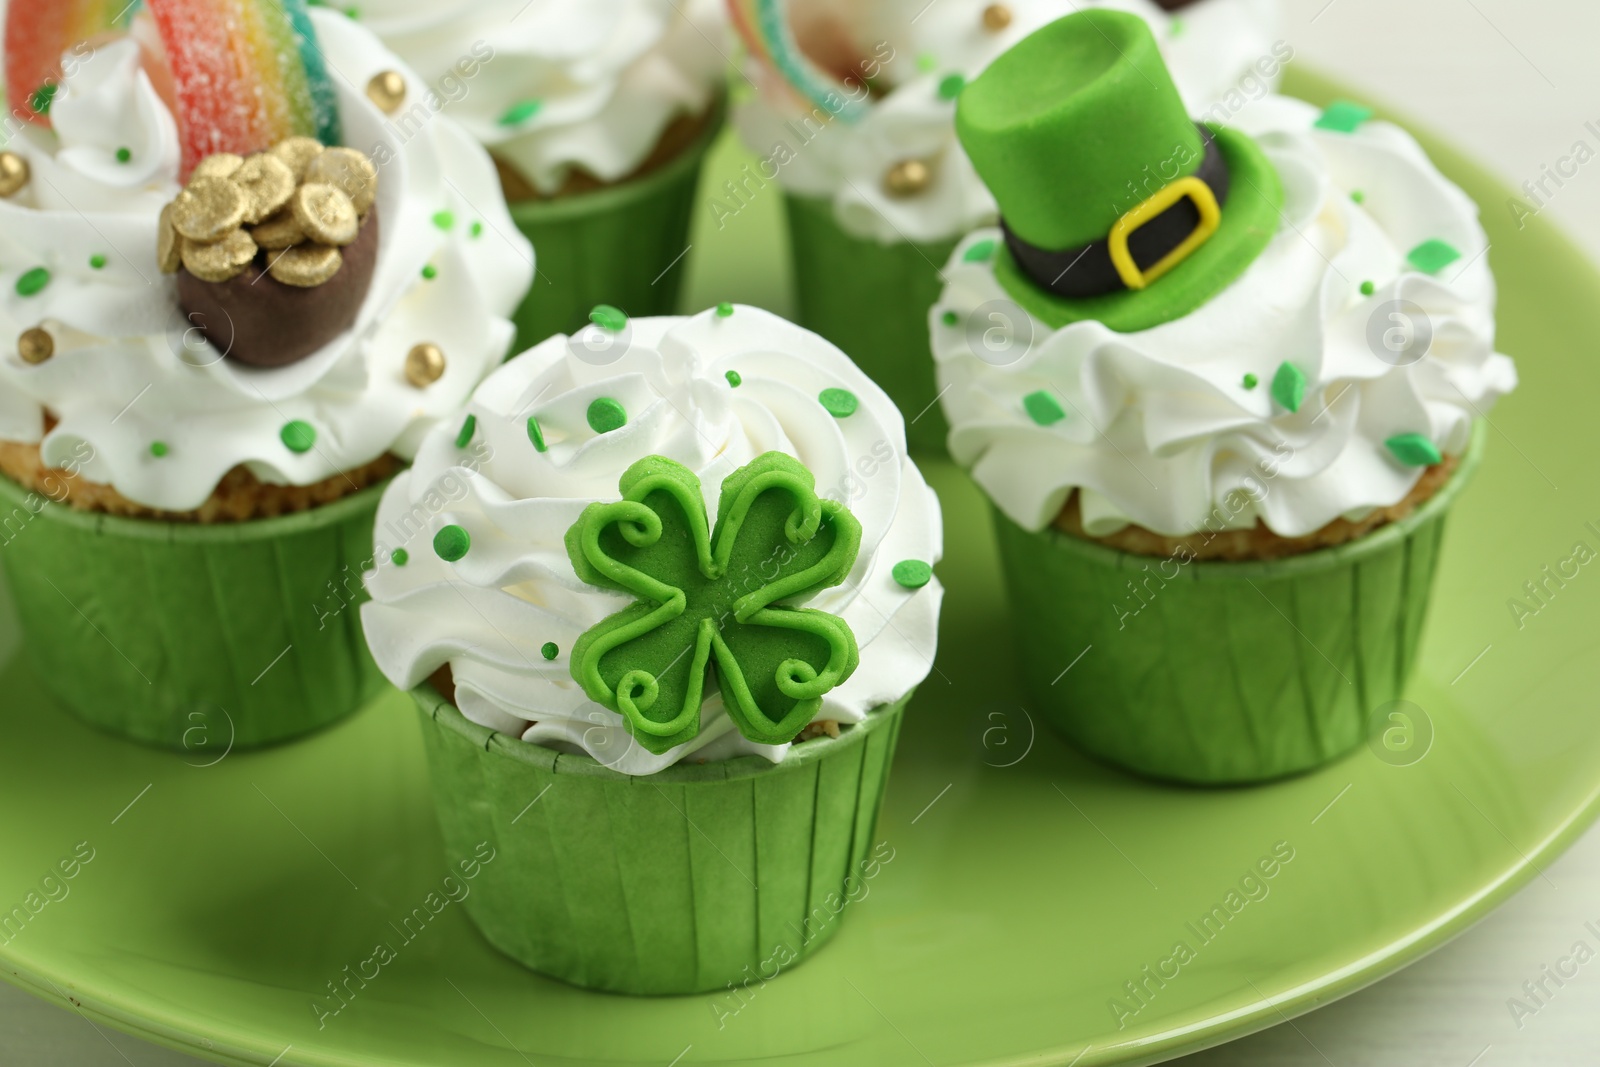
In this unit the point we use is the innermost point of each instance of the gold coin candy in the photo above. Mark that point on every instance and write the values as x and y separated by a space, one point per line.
298 200
209 209
267 183
221 260
307 265
169 246
350 172
297 153
325 213
280 231
221 165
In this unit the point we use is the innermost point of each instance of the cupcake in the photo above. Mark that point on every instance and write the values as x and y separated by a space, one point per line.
235 301
854 118
681 594
598 116
1227 413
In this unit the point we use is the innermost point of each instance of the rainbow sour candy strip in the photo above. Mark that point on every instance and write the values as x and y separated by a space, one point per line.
764 26
248 73
39 33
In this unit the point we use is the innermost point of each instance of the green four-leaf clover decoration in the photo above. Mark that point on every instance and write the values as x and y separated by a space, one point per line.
709 602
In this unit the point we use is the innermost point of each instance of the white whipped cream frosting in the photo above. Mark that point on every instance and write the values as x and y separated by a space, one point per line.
129 370
490 614
1212 49
1160 429
608 76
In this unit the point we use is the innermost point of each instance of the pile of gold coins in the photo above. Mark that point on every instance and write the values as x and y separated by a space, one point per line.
298 201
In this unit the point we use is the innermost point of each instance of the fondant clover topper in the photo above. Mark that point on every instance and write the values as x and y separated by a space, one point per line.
712 602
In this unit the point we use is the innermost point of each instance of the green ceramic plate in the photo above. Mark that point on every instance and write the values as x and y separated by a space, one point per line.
1028 887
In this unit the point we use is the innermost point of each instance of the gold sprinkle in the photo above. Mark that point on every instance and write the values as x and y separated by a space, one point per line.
907 178
306 265
280 231
13 174
36 345
296 153
169 246
221 260
996 17
325 213
424 365
209 209
221 165
349 171
267 183
387 90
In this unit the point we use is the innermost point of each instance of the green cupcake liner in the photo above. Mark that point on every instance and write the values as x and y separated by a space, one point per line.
684 881
195 637
872 300
1218 672
622 245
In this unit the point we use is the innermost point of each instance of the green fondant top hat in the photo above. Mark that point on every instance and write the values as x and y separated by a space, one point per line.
1116 205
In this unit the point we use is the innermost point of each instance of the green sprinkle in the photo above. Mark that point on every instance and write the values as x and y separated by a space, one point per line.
97 261
536 435
33 281
352 13
550 650
429 271
298 436
980 251
1367 288
400 557
468 428
1413 449
476 230
451 543
124 155
1358 196
1251 381
1289 386
926 62
950 318
158 448
1343 116
840 403
912 573
42 98
445 220
724 309
1432 256
606 414
609 318
734 379
521 112
1043 408
950 86
1175 28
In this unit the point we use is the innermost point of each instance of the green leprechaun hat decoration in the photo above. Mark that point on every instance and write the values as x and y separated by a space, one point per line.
1116 206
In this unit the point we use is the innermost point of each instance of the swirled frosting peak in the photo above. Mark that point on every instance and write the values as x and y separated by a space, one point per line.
1354 351
476 572
133 384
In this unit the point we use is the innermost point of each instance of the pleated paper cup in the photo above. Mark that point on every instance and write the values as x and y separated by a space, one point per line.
872 301
204 638
622 245
687 880
1222 672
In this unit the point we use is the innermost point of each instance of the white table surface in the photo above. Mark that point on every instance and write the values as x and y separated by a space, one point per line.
1512 82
